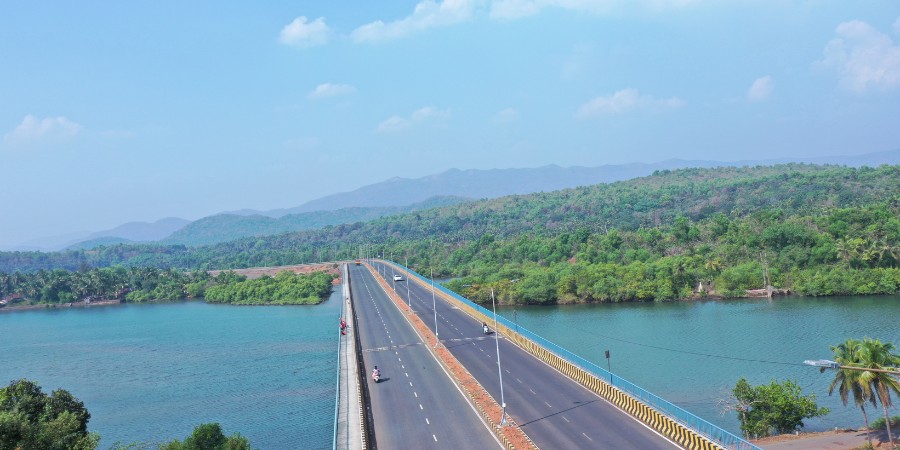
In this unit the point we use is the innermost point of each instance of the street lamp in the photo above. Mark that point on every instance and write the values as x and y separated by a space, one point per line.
408 298
828 364
516 318
434 308
499 369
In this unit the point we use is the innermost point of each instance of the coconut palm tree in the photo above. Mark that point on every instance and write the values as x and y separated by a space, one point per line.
874 354
848 381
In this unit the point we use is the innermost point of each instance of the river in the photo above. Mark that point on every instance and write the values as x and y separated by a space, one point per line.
693 352
152 372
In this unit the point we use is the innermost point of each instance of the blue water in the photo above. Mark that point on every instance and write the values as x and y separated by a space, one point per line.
152 372
693 353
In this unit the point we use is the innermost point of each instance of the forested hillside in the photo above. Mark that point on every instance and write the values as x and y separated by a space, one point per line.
815 229
228 227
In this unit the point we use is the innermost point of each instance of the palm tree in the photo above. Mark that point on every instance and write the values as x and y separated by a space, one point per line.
848 381
874 354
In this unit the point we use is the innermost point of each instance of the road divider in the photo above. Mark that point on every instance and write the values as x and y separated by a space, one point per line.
510 435
663 424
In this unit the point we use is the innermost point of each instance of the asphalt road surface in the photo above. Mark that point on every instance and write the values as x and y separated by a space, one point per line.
415 405
553 410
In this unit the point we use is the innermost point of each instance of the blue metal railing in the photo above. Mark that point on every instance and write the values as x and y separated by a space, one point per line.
337 390
713 432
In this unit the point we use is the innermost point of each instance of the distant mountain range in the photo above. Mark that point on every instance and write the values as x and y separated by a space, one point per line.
478 184
403 195
227 227
128 232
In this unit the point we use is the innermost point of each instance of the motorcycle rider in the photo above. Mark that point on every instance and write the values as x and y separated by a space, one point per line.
484 327
376 374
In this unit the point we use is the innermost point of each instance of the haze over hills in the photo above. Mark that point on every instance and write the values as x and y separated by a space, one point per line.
492 183
649 203
127 232
374 200
226 227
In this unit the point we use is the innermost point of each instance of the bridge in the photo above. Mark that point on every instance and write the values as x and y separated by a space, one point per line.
442 386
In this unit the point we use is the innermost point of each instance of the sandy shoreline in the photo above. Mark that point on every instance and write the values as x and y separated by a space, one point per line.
60 305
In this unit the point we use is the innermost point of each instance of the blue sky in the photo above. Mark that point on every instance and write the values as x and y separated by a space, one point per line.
120 111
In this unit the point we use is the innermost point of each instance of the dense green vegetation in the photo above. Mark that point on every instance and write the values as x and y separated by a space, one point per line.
31 419
814 230
208 436
843 251
285 288
853 381
775 408
881 424
140 284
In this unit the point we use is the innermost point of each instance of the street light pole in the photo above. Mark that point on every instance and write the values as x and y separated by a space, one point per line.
499 369
408 298
434 308
827 364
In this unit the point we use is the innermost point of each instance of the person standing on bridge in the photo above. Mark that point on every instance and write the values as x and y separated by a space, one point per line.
343 326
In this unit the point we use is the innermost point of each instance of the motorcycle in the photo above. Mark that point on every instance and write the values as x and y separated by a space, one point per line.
485 329
376 376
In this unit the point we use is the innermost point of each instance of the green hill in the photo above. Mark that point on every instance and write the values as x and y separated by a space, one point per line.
815 229
227 227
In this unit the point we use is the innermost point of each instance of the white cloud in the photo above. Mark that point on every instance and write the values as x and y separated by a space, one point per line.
507 115
428 112
392 124
33 129
624 101
514 9
326 90
303 33
863 57
397 123
427 14
761 89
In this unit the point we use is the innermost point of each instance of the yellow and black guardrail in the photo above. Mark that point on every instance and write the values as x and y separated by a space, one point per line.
665 425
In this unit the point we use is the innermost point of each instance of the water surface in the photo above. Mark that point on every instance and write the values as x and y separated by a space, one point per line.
693 353
153 372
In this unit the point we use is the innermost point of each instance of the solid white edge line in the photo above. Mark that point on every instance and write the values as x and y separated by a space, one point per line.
451 378
464 311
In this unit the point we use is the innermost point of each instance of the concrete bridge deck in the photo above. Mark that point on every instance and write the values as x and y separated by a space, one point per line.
555 402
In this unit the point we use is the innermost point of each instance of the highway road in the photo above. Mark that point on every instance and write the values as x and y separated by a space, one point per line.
415 405
553 410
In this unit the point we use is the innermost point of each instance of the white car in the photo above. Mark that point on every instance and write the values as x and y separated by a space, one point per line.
398 278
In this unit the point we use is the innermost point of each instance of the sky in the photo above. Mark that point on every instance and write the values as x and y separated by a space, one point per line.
112 112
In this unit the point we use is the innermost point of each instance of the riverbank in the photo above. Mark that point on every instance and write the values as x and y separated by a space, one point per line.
60 305
253 273
824 440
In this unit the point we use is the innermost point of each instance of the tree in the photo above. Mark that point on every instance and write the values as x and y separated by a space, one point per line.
209 436
31 419
776 408
874 354
849 381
